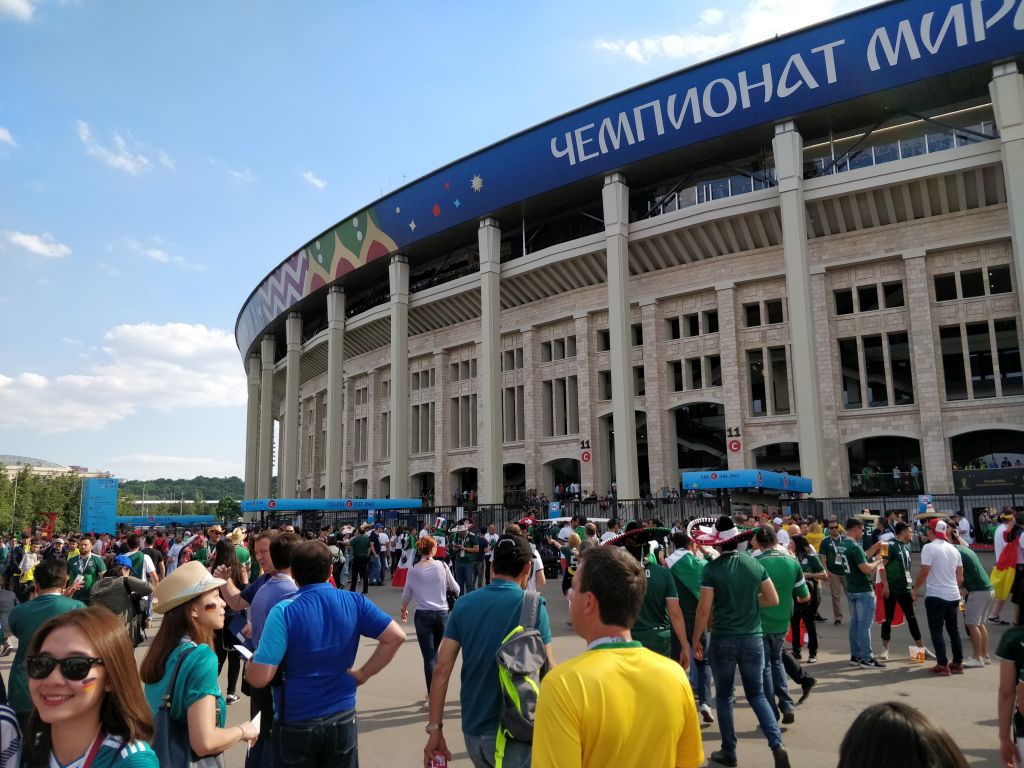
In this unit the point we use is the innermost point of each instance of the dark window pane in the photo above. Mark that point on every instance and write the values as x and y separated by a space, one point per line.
675 375
999 280
953 363
780 380
714 364
691 325
637 332
886 153
673 328
741 184
860 158
773 309
604 340
755 369
972 284
711 321
945 287
893 294
849 363
696 379
753 314
867 295
844 301
1008 349
874 371
979 349
939 141
912 147
638 382
899 361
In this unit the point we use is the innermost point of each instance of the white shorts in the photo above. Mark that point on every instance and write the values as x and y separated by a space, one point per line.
977 607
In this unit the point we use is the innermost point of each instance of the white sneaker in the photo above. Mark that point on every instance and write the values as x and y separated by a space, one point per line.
929 653
705 713
884 655
987 660
973 663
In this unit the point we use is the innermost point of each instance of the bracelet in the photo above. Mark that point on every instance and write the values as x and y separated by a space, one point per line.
241 730
431 728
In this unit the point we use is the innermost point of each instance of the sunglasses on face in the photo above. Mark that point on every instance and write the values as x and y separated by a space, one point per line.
74 668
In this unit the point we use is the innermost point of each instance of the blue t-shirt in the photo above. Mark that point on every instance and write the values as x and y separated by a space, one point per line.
249 593
316 634
479 623
273 592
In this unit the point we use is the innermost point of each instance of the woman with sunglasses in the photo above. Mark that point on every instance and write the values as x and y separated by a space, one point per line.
88 707
192 608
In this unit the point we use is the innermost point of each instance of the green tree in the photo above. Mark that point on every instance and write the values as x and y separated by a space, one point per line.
126 504
228 507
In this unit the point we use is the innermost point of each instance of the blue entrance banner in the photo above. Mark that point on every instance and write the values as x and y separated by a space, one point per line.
746 479
315 505
872 50
99 504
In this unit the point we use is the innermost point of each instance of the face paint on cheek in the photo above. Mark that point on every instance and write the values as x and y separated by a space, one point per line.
89 684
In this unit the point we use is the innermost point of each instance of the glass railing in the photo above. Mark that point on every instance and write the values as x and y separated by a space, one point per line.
886 483
709 190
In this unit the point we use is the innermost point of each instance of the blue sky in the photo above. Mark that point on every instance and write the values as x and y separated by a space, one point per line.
158 159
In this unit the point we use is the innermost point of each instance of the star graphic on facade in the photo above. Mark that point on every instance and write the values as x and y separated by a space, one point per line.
412 226
457 203
476 183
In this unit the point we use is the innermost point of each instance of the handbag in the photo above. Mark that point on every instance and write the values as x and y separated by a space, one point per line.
170 736
449 595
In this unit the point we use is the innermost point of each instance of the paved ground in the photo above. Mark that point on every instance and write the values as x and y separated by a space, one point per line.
391 720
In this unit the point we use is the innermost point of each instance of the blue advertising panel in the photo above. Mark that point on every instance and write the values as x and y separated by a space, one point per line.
99 504
878 48
316 505
166 521
746 478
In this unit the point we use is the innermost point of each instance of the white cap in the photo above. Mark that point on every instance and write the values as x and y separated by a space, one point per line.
777 521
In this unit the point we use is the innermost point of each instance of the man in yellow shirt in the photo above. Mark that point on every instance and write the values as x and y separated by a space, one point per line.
618 704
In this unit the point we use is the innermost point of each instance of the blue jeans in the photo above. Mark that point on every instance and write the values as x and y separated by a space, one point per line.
775 673
862 613
481 752
747 653
700 671
329 740
374 569
464 577
429 632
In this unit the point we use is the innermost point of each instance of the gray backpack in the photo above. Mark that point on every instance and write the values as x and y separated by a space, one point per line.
522 662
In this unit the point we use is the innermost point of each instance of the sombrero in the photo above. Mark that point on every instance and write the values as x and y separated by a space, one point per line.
527 522
639 536
706 531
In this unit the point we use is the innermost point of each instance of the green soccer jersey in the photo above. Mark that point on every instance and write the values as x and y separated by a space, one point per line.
465 540
975 578
361 546
788 578
852 557
736 580
652 627
897 568
1011 649
90 569
832 549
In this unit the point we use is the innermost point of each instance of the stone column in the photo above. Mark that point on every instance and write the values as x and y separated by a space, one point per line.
252 427
615 197
442 429
290 434
1007 91
734 372
335 390
928 392
788 147
654 397
588 429
532 405
398 275
489 481
266 452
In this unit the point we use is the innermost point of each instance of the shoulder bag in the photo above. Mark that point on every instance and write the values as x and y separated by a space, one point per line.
170 736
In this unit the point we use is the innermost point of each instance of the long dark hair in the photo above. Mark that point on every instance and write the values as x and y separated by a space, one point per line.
177 623
801 546
225 554
123 710
894 734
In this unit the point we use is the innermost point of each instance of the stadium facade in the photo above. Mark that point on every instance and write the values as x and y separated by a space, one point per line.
805 255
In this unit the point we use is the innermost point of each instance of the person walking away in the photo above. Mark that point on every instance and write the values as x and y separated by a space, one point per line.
362 551
182 650
832 548
50 578
806 613
477 628
733 588
977 593
86 657
788 578
687 569
426 587
316 702
942 571
860 567
122 594
617 694
897 584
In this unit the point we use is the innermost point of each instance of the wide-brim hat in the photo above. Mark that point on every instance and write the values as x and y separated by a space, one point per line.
639 536
188 582
931 514
460 528
527 522
237 536
215 529
346 529
363 528
703 531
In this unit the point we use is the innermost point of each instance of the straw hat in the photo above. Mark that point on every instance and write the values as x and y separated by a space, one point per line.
215 529
237 536
186 583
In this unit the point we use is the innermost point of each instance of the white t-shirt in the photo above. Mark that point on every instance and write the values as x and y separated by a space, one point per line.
943 559
563 533
608 536
1000 540
964 528
383 539
491 539
783 536
147 566
538 565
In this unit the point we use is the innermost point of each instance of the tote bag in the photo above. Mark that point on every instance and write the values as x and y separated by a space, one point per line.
170 737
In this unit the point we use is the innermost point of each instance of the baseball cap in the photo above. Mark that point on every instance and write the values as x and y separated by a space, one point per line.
510 547
123 560
777 521
938 527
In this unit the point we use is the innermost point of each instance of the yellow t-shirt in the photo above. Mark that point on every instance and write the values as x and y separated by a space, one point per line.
618 705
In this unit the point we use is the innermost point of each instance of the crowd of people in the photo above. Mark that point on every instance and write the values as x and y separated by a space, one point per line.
670 614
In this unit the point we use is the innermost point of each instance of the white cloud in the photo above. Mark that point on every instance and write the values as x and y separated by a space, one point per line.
245 176
5 135
41 245
759 20
121 157
148 466
162 256
167 161
22 10
165 367
313 180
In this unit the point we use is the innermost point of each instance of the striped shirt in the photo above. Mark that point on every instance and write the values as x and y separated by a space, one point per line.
115 752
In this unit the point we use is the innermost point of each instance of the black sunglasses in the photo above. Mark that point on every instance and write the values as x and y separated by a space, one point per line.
74 668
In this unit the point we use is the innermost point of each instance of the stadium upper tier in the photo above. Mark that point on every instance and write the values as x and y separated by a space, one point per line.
886 58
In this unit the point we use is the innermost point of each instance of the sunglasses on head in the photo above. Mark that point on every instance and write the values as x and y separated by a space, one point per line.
74 668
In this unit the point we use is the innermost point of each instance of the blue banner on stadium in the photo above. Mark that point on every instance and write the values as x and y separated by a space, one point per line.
315 505
99 504
746 478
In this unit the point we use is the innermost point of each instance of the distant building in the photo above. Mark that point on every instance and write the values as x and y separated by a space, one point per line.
13 465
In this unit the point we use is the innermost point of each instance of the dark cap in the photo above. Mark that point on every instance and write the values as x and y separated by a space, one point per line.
510 547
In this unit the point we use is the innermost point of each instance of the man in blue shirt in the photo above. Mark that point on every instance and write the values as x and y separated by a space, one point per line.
477 626
315 704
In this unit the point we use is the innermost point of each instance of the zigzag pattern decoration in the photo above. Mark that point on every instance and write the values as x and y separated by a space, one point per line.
286 285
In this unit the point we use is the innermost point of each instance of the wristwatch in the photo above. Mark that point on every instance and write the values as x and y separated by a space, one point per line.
432 727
